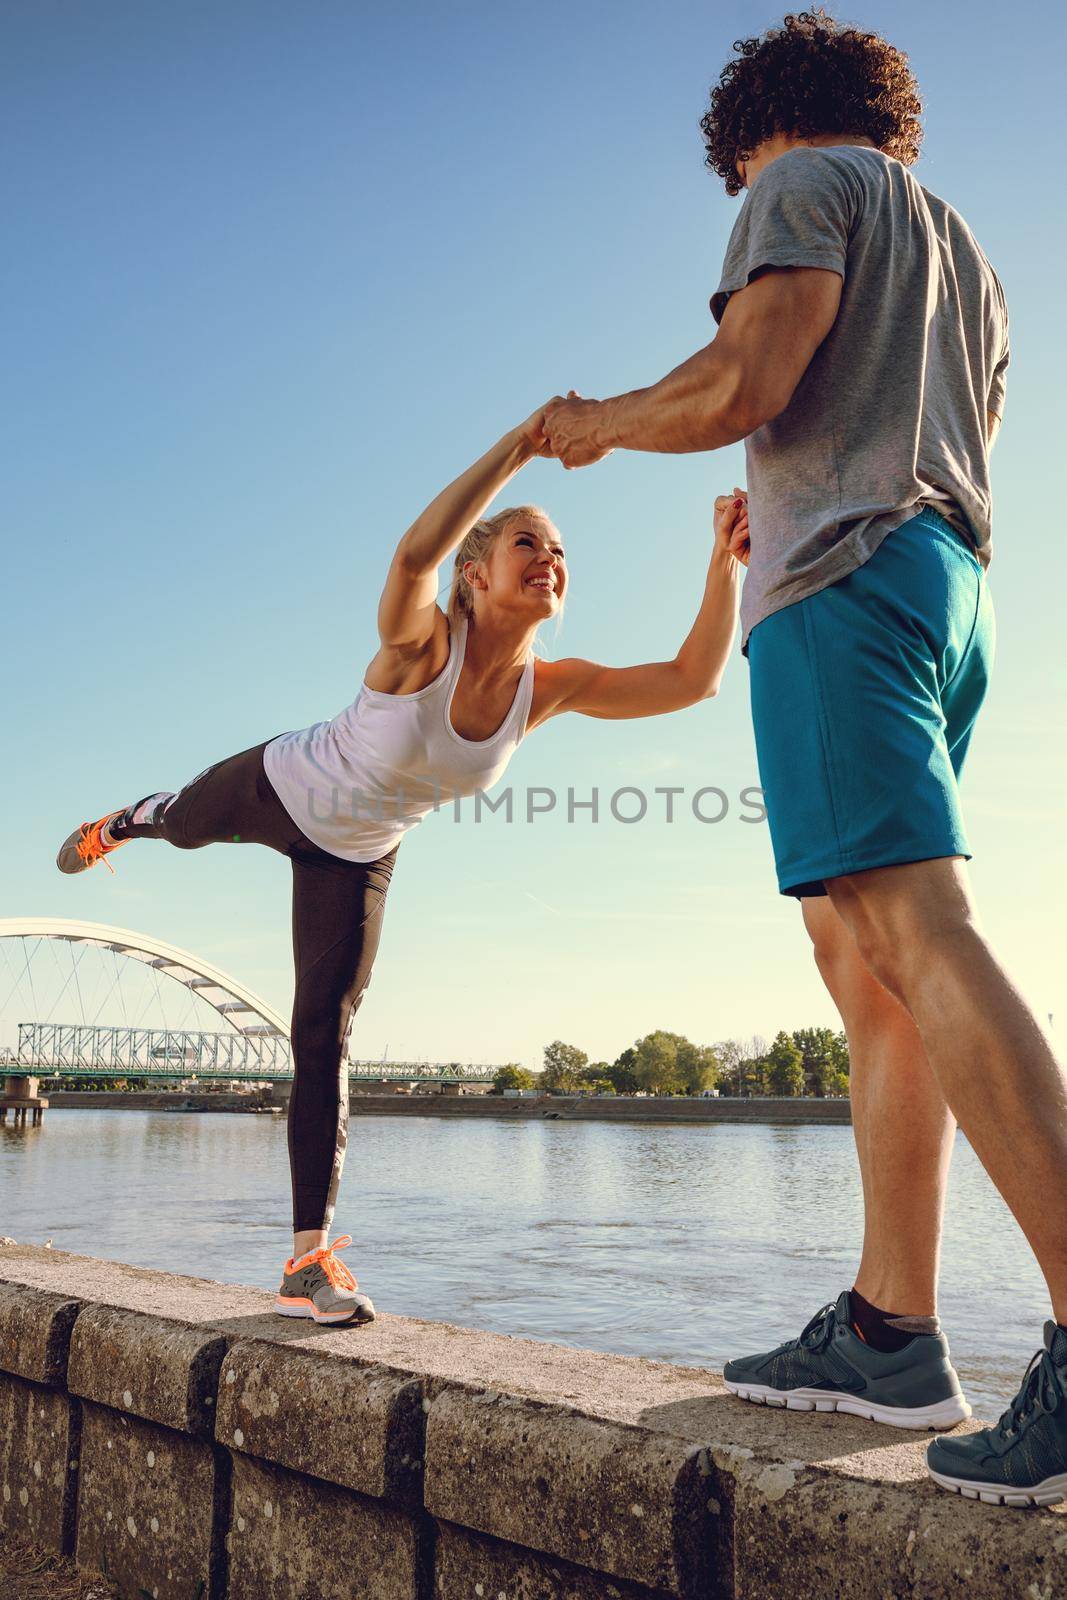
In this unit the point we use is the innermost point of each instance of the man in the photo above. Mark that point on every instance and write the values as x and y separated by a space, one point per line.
861 355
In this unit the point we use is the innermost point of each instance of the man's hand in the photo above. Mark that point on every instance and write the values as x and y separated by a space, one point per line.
572 427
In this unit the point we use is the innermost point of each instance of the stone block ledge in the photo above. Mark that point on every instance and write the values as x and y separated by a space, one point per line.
178 1434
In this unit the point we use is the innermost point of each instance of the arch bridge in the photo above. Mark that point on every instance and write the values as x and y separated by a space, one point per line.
254 1042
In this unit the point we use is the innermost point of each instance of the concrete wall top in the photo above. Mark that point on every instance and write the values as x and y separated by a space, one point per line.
646 1474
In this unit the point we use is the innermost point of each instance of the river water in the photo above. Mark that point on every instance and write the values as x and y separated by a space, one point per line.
686 1243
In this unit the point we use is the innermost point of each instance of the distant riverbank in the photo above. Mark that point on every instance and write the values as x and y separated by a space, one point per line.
573 1108
605 1108
158 1100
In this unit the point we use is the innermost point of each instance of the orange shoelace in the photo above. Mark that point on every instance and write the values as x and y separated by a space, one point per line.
335 1270
92 848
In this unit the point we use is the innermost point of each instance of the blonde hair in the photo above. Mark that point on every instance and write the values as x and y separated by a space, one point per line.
476 547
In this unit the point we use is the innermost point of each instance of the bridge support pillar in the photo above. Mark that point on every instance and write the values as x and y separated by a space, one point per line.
280 1093
21 1088
19 1097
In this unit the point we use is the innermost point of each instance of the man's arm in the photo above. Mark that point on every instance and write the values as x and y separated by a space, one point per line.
769 332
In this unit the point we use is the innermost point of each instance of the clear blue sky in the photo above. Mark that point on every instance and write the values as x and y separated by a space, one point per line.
273 275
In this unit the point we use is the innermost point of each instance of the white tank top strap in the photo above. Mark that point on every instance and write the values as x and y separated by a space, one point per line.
525 700
457 649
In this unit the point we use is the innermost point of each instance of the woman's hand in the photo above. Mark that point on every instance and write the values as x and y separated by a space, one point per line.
532 431
731 525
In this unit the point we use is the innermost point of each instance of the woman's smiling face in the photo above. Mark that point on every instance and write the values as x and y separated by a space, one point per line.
527 567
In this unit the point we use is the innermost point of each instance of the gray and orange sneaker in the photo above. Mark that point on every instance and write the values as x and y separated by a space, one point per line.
84 847
319 1286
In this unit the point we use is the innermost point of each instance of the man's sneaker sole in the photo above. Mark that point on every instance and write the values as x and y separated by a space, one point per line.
290 1306
1047 1493
945 1414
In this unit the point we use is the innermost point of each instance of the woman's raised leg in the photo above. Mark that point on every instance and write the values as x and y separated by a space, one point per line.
231 802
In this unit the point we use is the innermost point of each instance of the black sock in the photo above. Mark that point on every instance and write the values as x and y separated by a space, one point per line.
117 826
886 1330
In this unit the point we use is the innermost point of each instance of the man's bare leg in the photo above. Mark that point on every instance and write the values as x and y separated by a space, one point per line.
917 932
872 1351
902 1126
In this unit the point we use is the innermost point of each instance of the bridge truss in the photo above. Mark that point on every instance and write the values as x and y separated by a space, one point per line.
253 1041
55 1050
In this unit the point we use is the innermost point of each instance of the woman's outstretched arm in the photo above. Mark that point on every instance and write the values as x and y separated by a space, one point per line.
407 612
697 669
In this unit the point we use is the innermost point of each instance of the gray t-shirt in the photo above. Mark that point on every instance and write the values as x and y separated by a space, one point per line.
890 415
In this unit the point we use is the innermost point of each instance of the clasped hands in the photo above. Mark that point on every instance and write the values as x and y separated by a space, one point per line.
570 429
573 430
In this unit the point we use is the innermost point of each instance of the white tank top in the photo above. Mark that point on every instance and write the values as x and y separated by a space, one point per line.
356 784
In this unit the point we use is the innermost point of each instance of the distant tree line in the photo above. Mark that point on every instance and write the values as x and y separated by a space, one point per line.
808 1061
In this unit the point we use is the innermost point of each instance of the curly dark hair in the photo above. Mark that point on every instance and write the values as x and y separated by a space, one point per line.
812 75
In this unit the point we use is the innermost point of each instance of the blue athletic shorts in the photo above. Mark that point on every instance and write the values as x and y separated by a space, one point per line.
864 699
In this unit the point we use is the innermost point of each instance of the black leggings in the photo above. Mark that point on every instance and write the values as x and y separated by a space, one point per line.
337 919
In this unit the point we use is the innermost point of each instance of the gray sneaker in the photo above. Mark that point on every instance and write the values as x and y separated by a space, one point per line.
1022 1461
323 1288
830 1368
84 847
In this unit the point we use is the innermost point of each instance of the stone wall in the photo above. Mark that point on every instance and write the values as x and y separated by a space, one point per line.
252 1100
599 1108
178 1435
608 1108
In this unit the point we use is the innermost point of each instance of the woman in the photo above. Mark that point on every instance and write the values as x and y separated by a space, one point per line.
444 704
